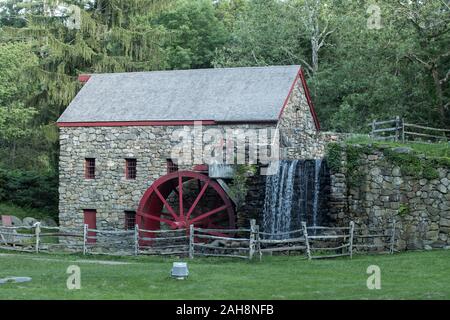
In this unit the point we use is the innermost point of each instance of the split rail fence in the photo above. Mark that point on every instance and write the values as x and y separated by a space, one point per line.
399 130
315 242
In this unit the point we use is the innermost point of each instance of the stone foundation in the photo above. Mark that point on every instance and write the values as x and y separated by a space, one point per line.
377 192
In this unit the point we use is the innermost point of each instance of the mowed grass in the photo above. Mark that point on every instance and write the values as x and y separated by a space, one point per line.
413 275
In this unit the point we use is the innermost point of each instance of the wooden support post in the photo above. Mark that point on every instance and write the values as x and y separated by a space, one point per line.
352 230
191 241
305 232
393 237
397 128
85 233
37 232
251 251
136 239
258 243
373 128
403 130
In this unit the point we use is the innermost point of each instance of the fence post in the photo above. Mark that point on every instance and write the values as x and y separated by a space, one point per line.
37 231
352 230
85 232
374 124
252 239
191 241
397 128
393 237
305 232
258 243
136 239
403 130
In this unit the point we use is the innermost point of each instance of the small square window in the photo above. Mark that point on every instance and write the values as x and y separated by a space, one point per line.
171 166
89 168
130 169
130 220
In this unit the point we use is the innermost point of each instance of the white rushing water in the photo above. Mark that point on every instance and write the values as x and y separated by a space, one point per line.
293 195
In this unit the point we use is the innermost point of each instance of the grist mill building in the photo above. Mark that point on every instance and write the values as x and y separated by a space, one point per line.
117 139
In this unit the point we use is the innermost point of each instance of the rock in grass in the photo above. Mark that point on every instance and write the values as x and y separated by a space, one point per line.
29 221
16 222
49 222
402 150
428 248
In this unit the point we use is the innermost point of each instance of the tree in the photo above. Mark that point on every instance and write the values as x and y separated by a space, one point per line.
430 21
196 33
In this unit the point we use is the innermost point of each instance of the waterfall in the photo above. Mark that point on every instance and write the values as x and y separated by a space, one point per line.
294 194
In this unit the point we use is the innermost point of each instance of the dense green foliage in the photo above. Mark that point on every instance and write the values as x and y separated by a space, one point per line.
404 276
30 189
356 73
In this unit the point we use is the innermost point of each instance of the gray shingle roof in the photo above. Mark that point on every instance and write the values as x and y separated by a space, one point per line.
228 94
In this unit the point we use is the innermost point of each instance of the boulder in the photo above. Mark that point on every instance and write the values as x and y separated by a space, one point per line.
428 248
402 150
48 222
29 221
16 222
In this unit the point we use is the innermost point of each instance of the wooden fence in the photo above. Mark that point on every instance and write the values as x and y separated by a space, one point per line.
399 130
315 242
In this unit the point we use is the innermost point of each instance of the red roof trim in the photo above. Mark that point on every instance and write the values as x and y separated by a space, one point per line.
83 78
301 76
133 123
308 98
289 95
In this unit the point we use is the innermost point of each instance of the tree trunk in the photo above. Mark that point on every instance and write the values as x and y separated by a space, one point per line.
439 93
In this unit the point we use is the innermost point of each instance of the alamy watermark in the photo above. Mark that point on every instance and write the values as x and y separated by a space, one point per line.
374 20
74 280
225 146
69 12
374 280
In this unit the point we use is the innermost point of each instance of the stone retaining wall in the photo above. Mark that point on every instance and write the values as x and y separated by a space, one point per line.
378 191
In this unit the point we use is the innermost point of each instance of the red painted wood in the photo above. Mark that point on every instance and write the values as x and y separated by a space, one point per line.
308 98
207 214
301 77
84 78
201 167
6 221
90 218
199 196
134 123
154 200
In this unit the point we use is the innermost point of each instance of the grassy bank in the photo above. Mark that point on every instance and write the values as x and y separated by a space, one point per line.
414 275
13 210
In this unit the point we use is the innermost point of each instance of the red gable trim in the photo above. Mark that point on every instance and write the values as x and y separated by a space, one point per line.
133 123
159 123
83 78
308 98
301 76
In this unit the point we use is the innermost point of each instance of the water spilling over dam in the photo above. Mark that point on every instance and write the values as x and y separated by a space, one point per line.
296 193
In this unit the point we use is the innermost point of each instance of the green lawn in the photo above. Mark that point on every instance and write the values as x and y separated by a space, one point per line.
436 150
414 275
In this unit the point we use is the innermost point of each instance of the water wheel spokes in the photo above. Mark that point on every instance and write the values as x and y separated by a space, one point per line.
170 201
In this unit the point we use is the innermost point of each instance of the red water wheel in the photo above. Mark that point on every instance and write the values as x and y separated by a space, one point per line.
180 199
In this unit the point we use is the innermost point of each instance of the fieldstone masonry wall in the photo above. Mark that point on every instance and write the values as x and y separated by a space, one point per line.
110 193
382 193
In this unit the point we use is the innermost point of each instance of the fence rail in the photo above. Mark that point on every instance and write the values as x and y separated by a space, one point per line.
399 130
315 242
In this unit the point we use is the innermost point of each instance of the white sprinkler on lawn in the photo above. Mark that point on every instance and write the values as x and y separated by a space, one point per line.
179 270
